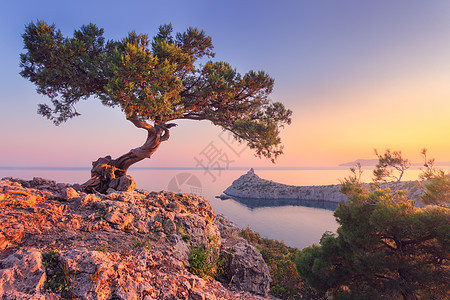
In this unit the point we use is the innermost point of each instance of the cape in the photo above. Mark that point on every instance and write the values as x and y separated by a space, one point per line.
251 186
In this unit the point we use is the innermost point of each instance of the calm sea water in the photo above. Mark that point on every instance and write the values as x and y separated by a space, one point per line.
297 224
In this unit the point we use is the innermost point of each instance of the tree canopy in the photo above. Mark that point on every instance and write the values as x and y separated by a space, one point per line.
169 77
385 246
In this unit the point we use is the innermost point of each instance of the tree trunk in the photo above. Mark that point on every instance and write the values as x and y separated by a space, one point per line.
105 169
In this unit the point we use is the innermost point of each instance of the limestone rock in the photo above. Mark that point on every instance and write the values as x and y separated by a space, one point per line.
70 193
123 245
123 183
251 186
21 274
245 268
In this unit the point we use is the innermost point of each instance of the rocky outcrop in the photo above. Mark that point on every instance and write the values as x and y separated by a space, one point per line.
245 268
57 241
251 186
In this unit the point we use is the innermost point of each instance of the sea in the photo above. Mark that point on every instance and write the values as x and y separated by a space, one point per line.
296 223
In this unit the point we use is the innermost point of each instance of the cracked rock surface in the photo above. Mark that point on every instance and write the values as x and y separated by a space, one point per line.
122 245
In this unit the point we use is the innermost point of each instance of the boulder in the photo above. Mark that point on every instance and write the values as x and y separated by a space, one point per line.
246 269
123 183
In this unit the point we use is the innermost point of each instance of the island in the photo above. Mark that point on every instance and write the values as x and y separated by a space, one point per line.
251 186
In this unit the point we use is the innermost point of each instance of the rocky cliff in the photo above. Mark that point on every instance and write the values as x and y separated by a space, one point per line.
58 242
251 186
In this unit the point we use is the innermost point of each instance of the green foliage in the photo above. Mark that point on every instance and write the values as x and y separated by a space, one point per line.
437 185
286 282
58 278
391 166
205 260
140 243
184 235
437 190
102 249
158 80
385 248
200 261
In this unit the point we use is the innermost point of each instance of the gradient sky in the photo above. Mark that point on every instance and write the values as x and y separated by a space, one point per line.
358 75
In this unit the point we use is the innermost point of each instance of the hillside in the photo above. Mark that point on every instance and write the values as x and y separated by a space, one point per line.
59 242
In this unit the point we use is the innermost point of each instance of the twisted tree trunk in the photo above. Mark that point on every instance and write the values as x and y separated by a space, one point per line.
105 170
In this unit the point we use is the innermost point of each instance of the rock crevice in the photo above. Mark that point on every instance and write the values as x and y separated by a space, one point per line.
121 245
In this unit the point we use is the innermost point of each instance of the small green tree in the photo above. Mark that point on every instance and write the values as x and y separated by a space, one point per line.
436 184
153 82
391 166
385 248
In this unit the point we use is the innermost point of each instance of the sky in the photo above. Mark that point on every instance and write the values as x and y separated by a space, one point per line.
358 76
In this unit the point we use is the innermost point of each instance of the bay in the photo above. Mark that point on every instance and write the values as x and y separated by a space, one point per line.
298 224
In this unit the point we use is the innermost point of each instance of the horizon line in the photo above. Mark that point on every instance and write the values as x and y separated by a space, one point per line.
239 168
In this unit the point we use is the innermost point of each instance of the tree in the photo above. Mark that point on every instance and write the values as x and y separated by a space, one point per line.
154 82
385 248
436 184
391 165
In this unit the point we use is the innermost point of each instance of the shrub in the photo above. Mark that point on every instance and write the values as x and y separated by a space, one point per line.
286 282
205 260
58 279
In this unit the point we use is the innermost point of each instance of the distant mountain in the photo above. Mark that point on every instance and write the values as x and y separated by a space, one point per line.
362 162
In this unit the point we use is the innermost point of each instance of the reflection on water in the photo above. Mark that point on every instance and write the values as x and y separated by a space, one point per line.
298 224
295 225
258 203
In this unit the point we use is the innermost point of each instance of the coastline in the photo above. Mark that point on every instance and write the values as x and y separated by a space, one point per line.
250 186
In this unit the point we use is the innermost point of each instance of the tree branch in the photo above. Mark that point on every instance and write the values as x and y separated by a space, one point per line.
165 127
139 123
387 245
193 116
423 239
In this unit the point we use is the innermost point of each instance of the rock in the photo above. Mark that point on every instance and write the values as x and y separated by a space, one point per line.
245 266
246 269
10 233
123 183
70 193
124 245
22 274
251 186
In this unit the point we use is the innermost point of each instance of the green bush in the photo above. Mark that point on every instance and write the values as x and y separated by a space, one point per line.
200 261
205 260
58 280
286 282
385 248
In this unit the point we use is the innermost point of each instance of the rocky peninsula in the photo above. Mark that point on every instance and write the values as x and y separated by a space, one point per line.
57 242
251 186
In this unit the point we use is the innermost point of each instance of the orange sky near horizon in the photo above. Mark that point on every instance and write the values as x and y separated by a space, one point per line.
406 117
